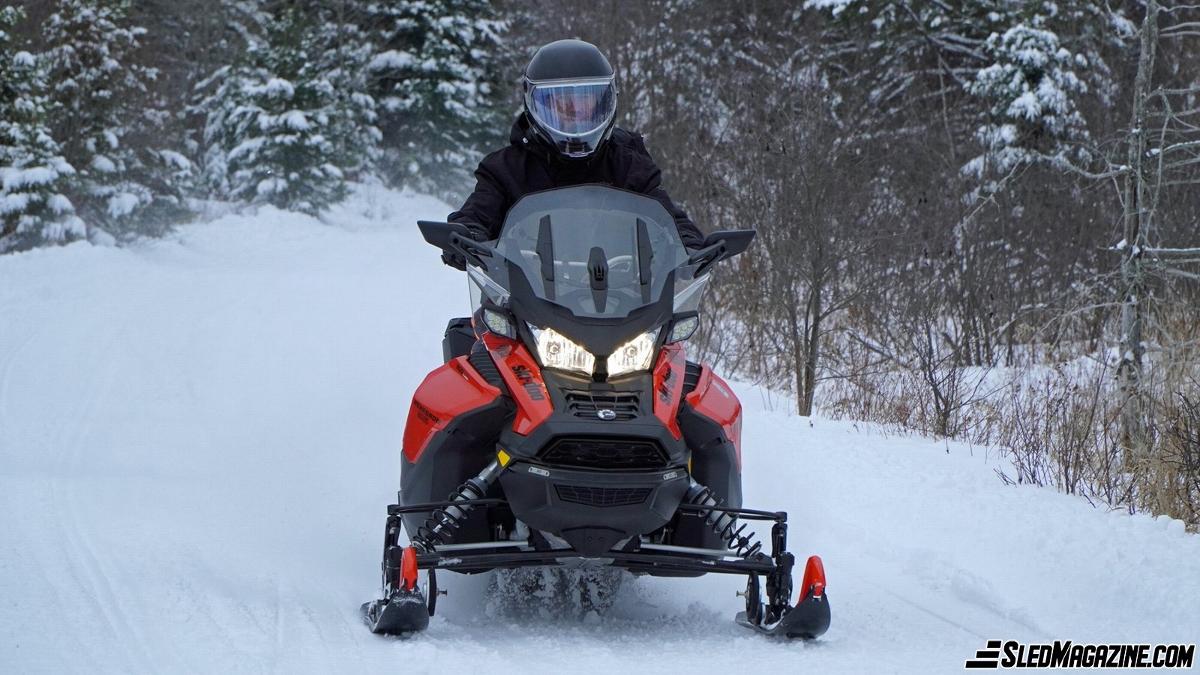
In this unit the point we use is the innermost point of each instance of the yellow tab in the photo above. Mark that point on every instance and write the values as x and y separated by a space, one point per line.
503 457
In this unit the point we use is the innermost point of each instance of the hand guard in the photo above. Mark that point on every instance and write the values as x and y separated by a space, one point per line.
455 259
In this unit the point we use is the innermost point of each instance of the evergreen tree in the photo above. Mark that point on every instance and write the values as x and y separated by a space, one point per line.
97 96
340 52
33 174
435 75
279 129
1033 85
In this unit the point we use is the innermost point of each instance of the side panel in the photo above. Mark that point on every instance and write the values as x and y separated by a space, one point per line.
710 419
451 435
713 399
523 377
451 390
668 386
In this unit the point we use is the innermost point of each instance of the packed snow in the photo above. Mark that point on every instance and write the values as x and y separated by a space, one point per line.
199 435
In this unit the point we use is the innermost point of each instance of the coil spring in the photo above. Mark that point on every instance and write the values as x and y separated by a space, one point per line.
440 526
724 524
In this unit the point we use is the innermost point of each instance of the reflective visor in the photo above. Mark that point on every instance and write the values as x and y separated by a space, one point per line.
573 109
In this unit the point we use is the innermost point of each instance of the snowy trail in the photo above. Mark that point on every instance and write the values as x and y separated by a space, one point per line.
198 437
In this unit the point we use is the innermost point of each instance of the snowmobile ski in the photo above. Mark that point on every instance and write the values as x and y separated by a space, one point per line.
808 620
403 609
401 613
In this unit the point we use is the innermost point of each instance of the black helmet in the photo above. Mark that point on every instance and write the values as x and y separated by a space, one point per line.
571 97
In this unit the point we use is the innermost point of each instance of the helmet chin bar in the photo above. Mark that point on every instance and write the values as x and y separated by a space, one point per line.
575 149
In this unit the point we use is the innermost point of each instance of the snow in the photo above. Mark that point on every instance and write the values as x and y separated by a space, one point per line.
295 120
175 160
837 6
103 164
17 178
1026 106
391 60
60 204
275 88
122 204
15 203
198 437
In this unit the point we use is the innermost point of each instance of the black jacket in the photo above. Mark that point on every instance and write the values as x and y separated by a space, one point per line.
526 165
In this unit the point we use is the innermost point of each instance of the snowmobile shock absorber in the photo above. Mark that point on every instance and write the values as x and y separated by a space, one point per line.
724 524
439 528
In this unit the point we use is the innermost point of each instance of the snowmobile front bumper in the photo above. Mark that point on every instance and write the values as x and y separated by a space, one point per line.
399 613
635 557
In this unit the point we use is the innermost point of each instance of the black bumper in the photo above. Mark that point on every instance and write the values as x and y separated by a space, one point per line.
593 510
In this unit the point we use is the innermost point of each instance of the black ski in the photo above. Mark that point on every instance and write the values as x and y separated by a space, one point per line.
807 620
402 613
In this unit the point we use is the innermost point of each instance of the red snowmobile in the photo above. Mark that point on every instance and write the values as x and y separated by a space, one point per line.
567 426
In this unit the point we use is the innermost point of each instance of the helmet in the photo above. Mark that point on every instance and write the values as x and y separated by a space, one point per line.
570 97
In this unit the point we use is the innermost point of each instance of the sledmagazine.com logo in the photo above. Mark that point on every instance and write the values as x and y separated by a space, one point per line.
1067 654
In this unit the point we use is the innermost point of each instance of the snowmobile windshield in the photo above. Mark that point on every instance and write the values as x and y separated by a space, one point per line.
598 251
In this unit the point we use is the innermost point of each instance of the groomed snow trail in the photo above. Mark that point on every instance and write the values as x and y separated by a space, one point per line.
198 437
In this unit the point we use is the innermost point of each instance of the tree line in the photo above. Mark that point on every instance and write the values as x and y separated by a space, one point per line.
115 114
978 220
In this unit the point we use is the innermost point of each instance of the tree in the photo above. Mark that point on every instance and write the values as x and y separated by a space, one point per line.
279 129
435 74
1162 151
95 97
1031 87
34 176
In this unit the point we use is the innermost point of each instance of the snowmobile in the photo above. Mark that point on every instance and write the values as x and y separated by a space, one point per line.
567 426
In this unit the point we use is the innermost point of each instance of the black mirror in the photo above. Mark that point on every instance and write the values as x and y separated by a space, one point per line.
736 241
455 238
719 246
438 233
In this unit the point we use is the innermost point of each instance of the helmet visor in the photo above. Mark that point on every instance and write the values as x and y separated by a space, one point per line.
573 109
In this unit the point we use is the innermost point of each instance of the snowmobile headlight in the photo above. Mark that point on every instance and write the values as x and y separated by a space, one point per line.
633 355
683 328
556 351
498 323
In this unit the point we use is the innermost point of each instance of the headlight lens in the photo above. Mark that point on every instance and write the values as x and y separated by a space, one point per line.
556 351
498 323
633 355
684 328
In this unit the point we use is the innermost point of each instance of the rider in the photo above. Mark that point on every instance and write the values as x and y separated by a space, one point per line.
565 136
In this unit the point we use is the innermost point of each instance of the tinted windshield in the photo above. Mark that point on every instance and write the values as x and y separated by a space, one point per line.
598 251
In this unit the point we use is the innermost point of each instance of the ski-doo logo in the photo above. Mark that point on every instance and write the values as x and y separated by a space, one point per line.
531 386
664 389
425 414
1066 654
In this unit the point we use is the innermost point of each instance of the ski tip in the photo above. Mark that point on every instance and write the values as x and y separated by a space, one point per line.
402 614
806 621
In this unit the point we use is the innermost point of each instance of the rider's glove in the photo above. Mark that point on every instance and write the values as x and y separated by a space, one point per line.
455 260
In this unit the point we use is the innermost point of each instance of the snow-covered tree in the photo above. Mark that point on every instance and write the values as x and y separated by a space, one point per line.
435 75
96 98
340 52
1032 88
34 176
285 125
